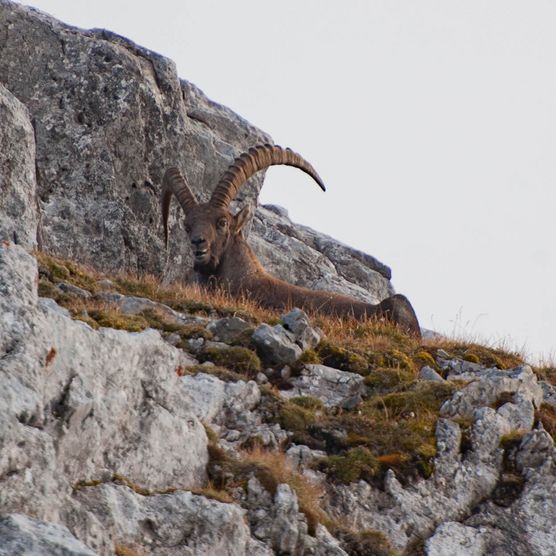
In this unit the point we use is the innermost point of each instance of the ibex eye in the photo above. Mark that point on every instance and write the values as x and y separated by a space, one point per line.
222 223
188 229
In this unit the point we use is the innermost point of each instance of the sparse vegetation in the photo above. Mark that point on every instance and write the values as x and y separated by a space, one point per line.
393 428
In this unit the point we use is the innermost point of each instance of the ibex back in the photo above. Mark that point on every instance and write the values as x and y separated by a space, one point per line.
222 255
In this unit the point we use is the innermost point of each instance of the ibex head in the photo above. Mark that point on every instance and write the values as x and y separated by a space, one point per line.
211 226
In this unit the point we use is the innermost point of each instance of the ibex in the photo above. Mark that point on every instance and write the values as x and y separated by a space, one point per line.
222 255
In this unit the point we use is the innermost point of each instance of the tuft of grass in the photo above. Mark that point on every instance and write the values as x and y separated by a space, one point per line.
547 416
274 469
388 380
112 317
367 542
356 464
127 550
238 359
341 358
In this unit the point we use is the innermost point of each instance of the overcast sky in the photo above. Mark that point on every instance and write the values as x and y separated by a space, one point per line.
433 124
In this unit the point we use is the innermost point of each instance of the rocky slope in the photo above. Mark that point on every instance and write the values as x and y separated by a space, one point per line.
142 418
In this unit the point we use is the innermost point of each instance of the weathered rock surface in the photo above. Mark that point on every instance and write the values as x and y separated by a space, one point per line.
109 118
333 387
276 239
22 535
78 404
276 345
18 203
176 524
461 481
297 322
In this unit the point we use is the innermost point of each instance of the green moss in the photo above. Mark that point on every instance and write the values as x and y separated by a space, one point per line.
114 319
423 358
309 356
307 402
486 356
393 359
471 357
422 397
341 358
238 359
297 419
385 380
355 464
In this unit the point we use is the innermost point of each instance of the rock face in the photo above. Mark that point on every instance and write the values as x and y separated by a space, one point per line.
18 204
109 117
81 405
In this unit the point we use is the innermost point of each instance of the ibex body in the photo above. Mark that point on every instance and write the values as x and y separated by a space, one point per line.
223 256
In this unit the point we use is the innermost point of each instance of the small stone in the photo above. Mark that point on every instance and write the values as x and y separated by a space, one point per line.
195 344
228 329
105 284
74 290
286 372
276 345
428 373
297 322
261 378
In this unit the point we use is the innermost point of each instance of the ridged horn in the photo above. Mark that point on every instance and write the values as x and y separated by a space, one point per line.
249 163
174 184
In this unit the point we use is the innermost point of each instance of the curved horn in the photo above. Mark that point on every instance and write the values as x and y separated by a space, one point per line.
174 184
249 163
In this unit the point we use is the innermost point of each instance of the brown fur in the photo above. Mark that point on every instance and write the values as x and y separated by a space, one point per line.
223 257
232 264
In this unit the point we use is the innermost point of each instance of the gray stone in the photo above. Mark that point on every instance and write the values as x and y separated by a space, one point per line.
18 201
276 345
428 373
486 386
78 404
297 322
74 290
176 524
549 393
228 330
21 535
454 539
333 387
535 449
304 257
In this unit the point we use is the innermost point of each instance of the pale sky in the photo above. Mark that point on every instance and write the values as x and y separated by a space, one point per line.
433 124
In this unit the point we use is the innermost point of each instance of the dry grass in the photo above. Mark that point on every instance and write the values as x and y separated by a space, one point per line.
310 495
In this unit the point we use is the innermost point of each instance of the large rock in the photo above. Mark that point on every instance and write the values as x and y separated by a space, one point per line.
315 260
18 203
333 387
109 118
82 405
174 524
25 536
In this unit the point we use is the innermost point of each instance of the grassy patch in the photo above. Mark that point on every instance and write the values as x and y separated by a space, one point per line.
365 543
238 359
355 464
547 416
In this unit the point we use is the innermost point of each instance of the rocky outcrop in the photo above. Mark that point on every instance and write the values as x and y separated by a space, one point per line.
18 204
109 117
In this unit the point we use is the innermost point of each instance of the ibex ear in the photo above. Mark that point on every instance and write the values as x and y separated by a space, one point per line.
241 218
